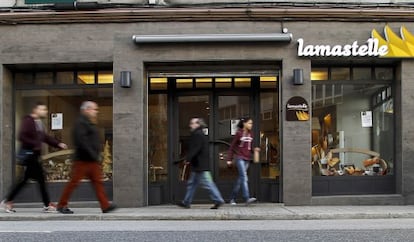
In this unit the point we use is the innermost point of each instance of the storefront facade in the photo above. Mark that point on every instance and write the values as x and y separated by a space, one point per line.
353 105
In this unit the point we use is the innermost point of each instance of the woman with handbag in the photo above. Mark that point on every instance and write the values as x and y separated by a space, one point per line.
241 150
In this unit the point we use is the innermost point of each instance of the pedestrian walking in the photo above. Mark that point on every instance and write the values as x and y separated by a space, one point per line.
198 158
86 160
32 134
241 150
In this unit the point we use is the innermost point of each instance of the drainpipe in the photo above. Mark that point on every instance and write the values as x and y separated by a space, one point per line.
77 6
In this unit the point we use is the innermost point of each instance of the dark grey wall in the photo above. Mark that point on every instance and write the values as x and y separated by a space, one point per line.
297 175
77 43
130 133
407 126
6 132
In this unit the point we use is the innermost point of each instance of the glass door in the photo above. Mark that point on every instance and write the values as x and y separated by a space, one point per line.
228 110
187 107
221 117
220 100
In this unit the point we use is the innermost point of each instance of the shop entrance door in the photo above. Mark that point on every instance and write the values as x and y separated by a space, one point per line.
221 112
220 99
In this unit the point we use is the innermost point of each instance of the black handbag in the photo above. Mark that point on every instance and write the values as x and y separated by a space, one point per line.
23 156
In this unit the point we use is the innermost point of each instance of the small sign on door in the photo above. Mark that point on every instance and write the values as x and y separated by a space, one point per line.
57 121
366 119
233 126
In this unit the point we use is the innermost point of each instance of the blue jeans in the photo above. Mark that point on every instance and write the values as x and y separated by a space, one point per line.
242 180
206 180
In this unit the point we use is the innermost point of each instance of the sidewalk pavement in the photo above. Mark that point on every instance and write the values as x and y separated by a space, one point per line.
259 211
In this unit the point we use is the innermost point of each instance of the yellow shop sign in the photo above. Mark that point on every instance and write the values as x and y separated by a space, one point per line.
392 46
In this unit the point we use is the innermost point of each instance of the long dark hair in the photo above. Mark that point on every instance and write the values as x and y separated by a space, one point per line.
242 121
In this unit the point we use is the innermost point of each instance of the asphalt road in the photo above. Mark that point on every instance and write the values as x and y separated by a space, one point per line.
163 231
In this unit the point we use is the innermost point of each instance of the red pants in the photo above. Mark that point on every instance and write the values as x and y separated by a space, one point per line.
90 170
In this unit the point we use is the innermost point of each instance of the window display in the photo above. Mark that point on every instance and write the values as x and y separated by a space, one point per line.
353 125
63 105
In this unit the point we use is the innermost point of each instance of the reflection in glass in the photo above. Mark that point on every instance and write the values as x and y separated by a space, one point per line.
158 83
65 77
338 123
340 74
105 77
157 137
384 73
268 81
67 102
223 82
242 82
25 78
44 78
269 135
204 82
361 73
184 83
319 74
86 77
230 108
188 108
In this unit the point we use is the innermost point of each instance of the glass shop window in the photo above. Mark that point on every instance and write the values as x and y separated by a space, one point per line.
353 124
157 137
63 105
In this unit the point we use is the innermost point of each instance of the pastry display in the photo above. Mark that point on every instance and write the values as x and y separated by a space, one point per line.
350 170
328 150
370 162
333 162
329 164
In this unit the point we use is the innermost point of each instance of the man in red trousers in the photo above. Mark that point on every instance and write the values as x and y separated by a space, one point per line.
86 158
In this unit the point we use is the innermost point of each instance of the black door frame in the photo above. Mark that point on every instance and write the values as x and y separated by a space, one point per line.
173 138
255 181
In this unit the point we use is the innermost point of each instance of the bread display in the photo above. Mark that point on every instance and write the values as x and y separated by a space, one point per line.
330 165
350 170
370 162
333 161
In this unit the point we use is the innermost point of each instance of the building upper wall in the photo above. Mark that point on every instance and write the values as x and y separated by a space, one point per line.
116 11
35 3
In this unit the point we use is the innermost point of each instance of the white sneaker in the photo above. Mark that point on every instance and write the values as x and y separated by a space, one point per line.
7 206
250 201
50 209
233 202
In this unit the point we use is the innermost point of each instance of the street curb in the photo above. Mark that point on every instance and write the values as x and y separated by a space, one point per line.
218 217
202 212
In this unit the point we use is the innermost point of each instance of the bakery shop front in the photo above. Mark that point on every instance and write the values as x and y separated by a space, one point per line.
331 102
355 123
345 93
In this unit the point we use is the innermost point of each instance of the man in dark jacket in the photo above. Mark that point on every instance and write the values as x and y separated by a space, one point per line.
32 134
86 158
197 156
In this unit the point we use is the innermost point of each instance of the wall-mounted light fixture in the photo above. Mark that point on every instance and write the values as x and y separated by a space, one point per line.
125 79
208 38
297 76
